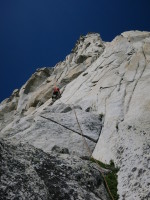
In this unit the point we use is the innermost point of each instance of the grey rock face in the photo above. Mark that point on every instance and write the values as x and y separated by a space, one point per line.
55 126
38 89
29 173
116 86
108 85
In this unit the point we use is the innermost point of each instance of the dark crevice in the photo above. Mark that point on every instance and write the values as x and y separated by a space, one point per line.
101 118
136 82
89 138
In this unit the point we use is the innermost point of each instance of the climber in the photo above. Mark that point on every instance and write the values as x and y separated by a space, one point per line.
56 94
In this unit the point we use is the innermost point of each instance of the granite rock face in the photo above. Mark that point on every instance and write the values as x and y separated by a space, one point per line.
116 86
29 173
107 84
56 125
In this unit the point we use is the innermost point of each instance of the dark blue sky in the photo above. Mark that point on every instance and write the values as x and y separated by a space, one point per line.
37 33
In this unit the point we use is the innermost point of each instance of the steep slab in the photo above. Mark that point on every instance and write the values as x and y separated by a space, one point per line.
116 86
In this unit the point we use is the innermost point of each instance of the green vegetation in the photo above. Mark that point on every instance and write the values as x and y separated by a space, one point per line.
111 177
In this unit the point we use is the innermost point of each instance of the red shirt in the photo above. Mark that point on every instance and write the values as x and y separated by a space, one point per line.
56 89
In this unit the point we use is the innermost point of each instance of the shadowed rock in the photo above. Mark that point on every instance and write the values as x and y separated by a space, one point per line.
29 173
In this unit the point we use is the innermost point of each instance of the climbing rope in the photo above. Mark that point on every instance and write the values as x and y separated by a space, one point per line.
68 128
84 140
90 153
89 150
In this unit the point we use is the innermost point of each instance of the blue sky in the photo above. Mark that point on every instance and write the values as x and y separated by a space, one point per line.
37 33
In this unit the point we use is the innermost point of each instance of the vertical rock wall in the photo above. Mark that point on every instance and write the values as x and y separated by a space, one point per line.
109 84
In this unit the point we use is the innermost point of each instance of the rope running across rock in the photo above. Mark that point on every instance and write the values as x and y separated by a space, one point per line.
88 149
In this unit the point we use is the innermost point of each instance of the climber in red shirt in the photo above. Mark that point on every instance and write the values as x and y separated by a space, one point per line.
56 93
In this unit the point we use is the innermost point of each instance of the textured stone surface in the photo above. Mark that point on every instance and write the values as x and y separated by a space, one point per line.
117 86
108 84
55 126
29 173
